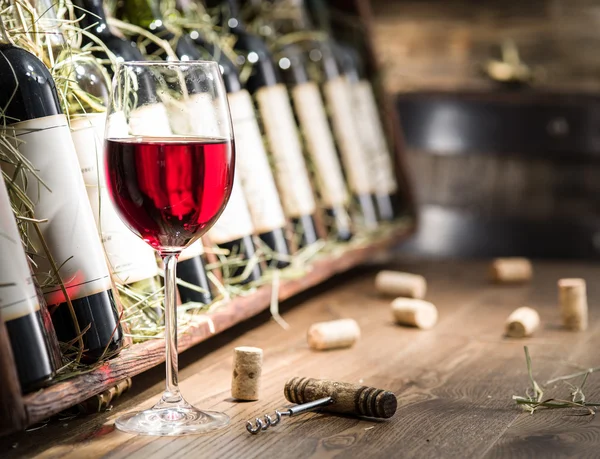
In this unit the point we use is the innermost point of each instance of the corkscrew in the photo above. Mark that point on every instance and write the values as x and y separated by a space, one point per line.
336 397
298 409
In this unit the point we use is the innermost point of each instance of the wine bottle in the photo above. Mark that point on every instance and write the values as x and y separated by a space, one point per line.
325 69
147 14
372 134
94 21
152 117
252 166
233 231
367 120
267 87
32 107
19 305
131 261
312 117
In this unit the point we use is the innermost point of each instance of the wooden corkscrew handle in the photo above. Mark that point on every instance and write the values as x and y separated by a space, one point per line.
347 398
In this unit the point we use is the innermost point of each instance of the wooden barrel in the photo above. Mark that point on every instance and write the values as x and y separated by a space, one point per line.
505 173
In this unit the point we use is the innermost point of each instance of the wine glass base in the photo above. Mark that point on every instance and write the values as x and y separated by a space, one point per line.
169 421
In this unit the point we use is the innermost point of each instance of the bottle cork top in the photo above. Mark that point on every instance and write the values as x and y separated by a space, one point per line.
571 282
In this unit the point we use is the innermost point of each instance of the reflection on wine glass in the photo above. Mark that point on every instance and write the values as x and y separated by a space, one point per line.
169 167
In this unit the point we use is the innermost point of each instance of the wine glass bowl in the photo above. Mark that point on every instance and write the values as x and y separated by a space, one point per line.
169 160
169 150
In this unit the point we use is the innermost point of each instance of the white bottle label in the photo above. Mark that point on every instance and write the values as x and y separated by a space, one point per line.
235 221
373 136
87 132
286 149
194 250
18 297
354 157
319 141
252 166
70 231
130 259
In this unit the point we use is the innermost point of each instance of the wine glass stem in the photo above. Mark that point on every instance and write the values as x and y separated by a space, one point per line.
172 394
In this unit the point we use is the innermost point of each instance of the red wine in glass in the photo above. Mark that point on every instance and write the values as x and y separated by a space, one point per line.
167 190
170 159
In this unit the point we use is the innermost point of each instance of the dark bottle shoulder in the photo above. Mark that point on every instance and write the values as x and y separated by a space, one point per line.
186 49
229 71
28 89
255 50
123 48
247 41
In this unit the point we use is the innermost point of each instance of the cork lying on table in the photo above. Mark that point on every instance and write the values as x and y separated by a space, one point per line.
396 283
511 270
413 312
247 369
572 296
522 322
334 334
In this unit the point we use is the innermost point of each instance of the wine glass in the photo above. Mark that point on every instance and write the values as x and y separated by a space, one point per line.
169 158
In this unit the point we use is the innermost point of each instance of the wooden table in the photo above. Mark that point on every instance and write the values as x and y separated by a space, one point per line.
454 383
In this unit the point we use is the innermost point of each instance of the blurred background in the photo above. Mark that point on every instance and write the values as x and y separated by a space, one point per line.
499 104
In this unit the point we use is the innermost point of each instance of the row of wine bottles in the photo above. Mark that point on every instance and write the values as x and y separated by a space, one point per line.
312 163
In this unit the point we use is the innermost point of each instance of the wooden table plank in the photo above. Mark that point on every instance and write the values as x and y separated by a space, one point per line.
454 383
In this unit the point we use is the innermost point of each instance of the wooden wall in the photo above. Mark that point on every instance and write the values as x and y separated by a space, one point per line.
442 44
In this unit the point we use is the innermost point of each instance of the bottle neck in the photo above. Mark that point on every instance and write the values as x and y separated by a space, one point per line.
209 48
294 18
147 14
93 18
350 62
317 13
227 13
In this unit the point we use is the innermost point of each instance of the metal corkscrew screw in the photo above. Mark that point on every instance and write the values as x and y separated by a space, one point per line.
333 396
298 409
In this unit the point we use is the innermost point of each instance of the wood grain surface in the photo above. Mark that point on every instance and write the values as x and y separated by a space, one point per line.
444 45
454 383
139 358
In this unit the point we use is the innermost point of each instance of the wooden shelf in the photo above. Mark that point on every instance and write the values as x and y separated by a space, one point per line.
141 357
18 411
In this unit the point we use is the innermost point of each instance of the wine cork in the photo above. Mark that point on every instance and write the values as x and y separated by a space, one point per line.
102 401
347 398
335 334
396 283
417 313
522 322
247 368
573 303
511 270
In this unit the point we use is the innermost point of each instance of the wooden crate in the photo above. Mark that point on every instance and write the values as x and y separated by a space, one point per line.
18 411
